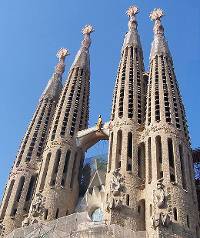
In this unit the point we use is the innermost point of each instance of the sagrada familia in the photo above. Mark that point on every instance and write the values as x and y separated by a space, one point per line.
148 189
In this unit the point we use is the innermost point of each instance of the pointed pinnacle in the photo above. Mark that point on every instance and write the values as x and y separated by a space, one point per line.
62 53
87 29
156 14
132 11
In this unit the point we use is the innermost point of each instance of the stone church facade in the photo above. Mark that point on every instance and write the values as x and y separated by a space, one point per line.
148 189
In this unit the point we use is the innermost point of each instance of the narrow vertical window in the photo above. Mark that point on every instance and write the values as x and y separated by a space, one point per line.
188 221
119 149
141 161
20 188
31 188
110 152
175 214
159 157
55 168
127 199
129 152
64 177
44 175
171 160
6 201
45 214
150 210
73 171
57 213
182 166
149 161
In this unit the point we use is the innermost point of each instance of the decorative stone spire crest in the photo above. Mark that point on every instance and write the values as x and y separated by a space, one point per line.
156 16
131 12
60 67
86 31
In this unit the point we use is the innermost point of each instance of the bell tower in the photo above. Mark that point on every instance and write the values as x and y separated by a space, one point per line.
125 175
171 202
58 184
22 179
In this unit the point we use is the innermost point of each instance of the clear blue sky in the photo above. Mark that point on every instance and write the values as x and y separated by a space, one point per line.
32 31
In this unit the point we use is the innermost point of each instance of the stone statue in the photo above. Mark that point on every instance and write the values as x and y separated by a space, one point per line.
38 205
161 219
99 123
116 183
160 195
26 222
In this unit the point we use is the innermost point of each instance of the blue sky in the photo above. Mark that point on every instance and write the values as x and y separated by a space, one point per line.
32 31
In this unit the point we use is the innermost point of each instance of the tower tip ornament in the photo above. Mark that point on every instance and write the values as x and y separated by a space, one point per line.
132 11
87 29
156 14
62 53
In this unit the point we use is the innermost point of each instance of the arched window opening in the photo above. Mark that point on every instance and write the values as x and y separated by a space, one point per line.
141 161
57 213
73 175
188 221
182 166
141 212
20 188
44 175
55 168
171 159
151 210
119 149
175 214
45 214
149 161
159 157
64 177
97 215
129 152
110 152
5 205
127 199
31 187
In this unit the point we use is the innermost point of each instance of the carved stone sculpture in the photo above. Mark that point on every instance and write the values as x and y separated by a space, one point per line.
161 219
26 222
159 195
38 205
116 183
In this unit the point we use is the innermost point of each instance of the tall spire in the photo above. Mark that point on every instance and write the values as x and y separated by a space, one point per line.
132 37
82 58
159 44
56 78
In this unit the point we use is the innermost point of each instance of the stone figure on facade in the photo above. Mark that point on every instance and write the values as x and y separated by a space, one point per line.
161 217
38 205
99 123
26 222
116 187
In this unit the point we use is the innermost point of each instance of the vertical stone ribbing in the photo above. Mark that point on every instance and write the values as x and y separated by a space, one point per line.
22 180
171 196
58 181
125 174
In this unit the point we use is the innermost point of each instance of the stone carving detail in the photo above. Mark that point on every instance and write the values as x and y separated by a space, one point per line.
38 205
87 30
116 189
132 11
161 216
60 67
26 222
156 14
116 183
2 229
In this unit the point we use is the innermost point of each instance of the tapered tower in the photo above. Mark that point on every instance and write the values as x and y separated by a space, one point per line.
58 185
21 184
171 204
125 176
